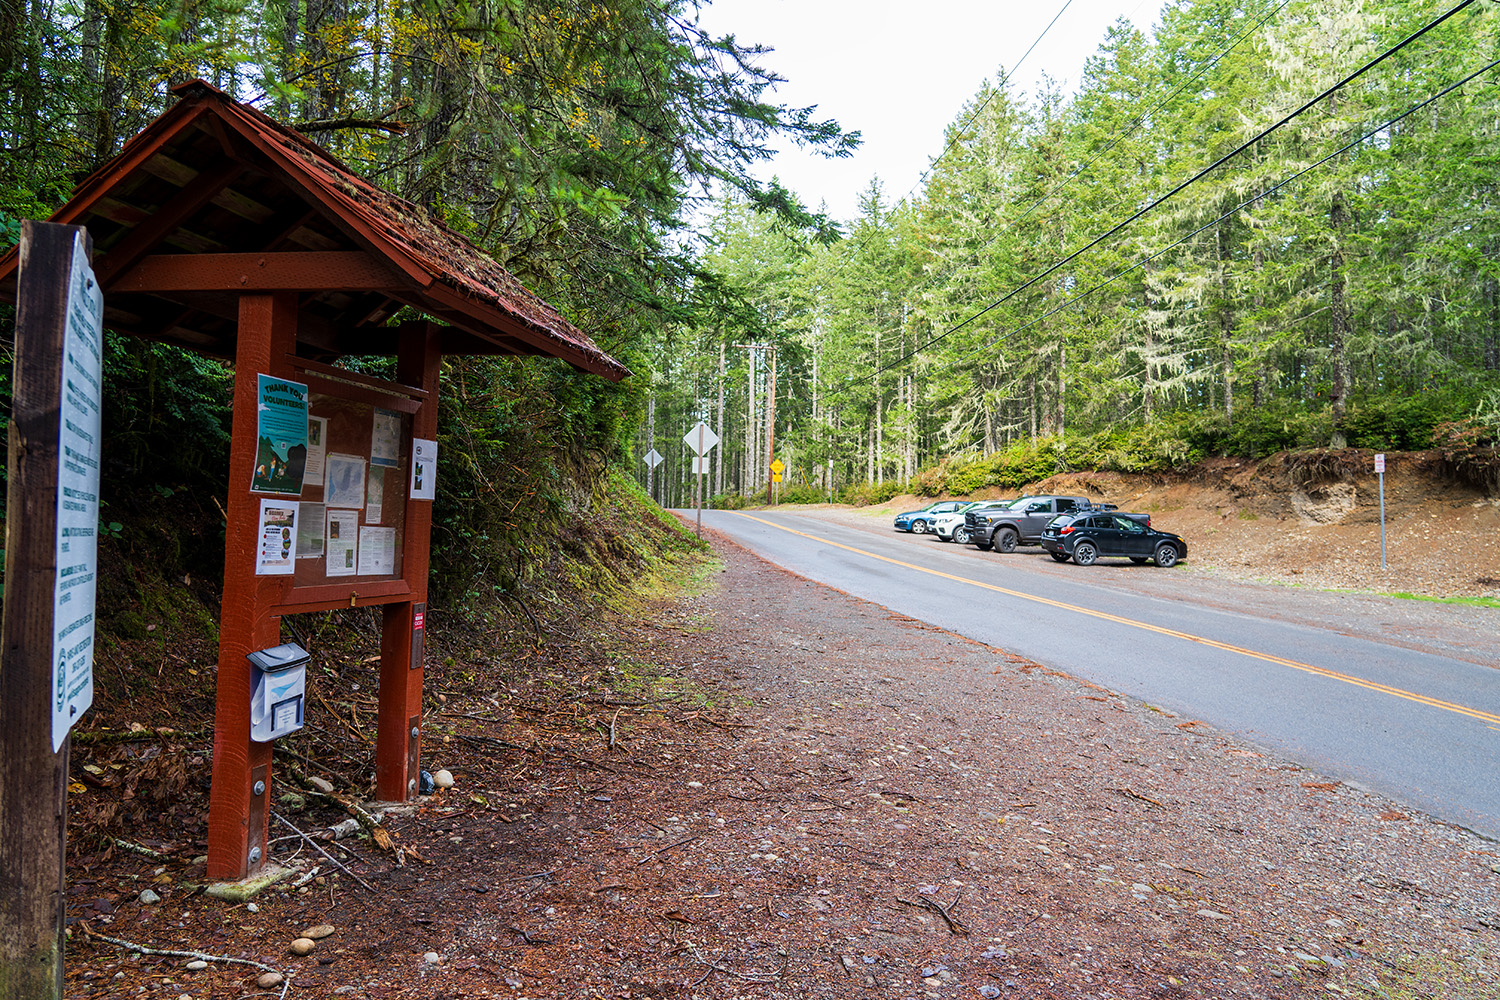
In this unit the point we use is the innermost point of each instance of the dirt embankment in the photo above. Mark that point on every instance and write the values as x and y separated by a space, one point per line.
1314 520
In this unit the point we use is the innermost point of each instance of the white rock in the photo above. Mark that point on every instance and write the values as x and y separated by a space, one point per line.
432 958
443 778
149 898
321 784
196 965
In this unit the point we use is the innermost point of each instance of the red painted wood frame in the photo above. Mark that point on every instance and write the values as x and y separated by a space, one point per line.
241 793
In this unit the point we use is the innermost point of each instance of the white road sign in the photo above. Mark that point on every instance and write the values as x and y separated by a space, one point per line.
1379 463
701 438
702 465
652 458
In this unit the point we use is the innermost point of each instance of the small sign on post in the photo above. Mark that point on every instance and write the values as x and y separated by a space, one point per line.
701 439
1380 472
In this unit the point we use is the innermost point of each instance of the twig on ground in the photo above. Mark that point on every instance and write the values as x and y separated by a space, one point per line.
923 902
669 847
1131 793
134 848
171 953
319 848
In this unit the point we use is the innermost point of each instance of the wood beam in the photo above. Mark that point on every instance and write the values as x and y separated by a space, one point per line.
311 271
145 237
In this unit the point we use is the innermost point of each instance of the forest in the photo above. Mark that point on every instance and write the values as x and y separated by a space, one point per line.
1249 227
1254 227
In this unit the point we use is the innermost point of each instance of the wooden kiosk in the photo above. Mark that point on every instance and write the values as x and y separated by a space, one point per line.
218 230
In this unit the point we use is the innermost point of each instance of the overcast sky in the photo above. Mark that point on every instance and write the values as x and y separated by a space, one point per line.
899 72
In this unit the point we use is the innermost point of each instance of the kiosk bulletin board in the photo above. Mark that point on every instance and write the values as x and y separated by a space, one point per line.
334 473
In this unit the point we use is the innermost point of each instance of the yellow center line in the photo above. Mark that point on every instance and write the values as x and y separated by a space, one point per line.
1306 668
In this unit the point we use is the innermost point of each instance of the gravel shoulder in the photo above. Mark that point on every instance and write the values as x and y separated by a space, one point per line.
782 791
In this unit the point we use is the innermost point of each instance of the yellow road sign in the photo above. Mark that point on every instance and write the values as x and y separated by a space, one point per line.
775 477
778 467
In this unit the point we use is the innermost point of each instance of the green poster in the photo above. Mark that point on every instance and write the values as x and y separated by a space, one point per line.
281 433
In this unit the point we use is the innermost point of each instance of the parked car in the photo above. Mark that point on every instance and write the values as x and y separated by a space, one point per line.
1021 522
918 522
952 528
1091 535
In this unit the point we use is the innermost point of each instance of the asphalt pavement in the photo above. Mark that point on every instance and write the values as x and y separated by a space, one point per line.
1372 690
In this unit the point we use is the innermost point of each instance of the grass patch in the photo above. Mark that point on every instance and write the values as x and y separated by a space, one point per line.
1428 977
1476 602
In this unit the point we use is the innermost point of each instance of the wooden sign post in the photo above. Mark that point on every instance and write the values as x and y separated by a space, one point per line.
46 662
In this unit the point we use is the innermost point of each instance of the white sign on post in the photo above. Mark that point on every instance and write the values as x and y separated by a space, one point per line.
701 438
1379 463
653 458
77 500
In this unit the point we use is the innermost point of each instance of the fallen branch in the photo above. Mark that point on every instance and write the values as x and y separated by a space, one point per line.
673 846
1131 793
169 953
924 903
319 848
134 848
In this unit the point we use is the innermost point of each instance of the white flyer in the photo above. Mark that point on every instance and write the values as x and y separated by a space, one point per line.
317 448
342 541
375 496
385 439
423 469
377 551
345 485
310 519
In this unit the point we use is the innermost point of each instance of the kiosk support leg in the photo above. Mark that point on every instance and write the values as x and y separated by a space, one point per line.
238 804
398 732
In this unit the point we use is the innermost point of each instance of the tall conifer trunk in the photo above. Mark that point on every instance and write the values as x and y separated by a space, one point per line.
1338 320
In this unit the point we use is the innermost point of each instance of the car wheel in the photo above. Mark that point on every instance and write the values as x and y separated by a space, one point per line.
1006 539
962 536
1166 555
919 527
1084 553
1059 557
1139 560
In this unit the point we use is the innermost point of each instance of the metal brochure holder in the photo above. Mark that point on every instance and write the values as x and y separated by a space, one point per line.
278 691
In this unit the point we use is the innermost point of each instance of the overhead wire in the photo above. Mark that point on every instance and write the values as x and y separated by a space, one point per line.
1153 205
1121 135
1069 302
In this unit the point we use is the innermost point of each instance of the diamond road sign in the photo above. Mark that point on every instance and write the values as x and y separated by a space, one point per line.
653 458
701 438
778 467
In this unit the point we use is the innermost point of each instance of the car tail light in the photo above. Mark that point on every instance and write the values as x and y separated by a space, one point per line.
1065 531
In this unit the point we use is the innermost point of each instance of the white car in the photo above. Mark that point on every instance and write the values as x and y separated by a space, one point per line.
951 528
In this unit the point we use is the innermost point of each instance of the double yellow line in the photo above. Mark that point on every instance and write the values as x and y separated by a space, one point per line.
1307 668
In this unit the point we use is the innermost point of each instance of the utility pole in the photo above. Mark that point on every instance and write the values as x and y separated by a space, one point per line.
770 409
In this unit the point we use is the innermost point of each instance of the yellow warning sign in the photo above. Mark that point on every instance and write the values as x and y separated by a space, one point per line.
778 467
775 477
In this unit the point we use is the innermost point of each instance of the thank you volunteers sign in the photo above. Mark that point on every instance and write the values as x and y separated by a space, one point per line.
77 499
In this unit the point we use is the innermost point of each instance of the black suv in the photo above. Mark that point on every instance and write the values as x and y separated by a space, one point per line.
1020 523
1087 536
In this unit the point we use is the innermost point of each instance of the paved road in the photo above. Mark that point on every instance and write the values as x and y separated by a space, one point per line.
1399 696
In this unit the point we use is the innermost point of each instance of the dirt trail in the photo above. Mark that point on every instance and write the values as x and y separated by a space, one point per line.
788 792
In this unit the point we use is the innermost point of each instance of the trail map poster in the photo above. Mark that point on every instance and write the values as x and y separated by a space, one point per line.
281 445
73 595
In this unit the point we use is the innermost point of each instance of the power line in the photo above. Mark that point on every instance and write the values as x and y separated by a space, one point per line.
1053 268
1247 202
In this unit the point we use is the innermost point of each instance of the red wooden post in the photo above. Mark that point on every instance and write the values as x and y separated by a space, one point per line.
238 810
397 740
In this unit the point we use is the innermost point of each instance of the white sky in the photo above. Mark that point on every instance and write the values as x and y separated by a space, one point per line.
899 72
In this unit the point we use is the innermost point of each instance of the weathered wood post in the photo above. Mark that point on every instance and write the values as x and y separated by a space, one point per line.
46 678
